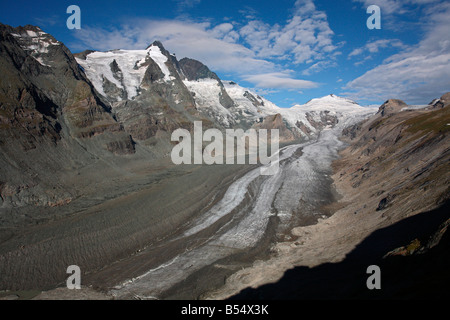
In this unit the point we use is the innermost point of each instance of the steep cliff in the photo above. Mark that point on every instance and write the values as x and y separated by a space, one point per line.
51 119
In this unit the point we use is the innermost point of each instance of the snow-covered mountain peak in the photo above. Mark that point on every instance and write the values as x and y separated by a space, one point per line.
332 103
332 100
154 51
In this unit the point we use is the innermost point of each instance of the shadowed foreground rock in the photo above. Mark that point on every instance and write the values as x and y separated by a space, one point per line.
420 275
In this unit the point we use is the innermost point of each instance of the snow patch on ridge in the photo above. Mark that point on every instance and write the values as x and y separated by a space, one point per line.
160 59
36 42
315 109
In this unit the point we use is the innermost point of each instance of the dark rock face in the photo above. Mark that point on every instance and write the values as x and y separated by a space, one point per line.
277 122
113 91
383 204
195 70
26 112
445 99
352 131
391 106
325 120
406 148
110 88
441 102
54 84
303 128
160 107
144 123
120 147
83 55
225 99
255 101
152 74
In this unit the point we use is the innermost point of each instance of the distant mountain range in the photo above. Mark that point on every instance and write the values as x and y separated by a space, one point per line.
154 77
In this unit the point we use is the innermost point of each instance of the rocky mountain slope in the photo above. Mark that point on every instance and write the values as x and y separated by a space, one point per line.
51 119
400 158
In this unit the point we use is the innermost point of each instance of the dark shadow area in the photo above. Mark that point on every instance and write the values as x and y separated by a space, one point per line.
417 276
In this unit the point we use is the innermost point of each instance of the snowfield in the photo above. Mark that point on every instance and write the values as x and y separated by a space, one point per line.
131 64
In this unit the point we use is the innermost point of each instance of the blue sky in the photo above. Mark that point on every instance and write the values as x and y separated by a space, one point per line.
288 51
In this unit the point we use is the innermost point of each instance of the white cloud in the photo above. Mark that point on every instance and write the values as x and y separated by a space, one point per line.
305 38
48 20
279 80
393 10
356 52
375 46
248 12
360 62
417 74
395 6
319 66
383 43
386 6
